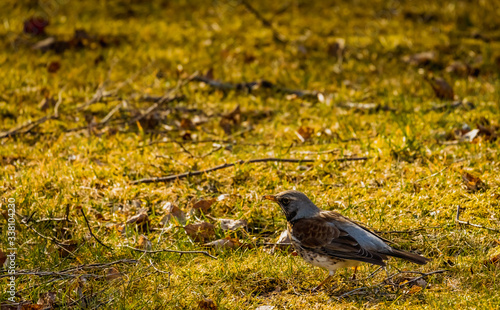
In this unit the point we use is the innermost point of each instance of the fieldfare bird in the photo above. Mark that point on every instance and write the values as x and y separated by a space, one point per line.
329 240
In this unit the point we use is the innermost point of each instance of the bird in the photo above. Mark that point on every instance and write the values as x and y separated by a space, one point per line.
330 240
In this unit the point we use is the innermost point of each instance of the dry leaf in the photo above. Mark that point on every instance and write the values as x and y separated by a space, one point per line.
414 289
3 258
226 243
207 304
441 88
231 120
336 49
29 307
203 205
186 124
53 66
265 308
100 217
494 257
47 300
47 102
304 133
200 232
144 243
172 210
138 219
420 59
470 136
473 183
112 273
228 224
35 26
67 248
141 220
459 68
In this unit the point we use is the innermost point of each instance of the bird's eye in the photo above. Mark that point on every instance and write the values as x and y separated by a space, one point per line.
285 201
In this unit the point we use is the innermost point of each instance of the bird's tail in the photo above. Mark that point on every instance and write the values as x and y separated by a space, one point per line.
414 258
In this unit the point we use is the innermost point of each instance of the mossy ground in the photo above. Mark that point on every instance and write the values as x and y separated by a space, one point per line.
411 180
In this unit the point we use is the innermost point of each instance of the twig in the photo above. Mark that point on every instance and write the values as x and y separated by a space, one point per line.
315 152
112 112
385 281
28 125
240 162
457 219
249 86
70 271
423 275
276 35
91 233
168 97
409 231
171 251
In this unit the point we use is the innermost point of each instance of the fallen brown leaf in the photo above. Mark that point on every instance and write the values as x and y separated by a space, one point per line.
35 25
420 59
226 243
473 183
200 232
3 258
203 205
228 224
230 120
141 220
172 210
144 243
304 133
47 102
414 289
67 248
47 300
207 304
112 273
441 88
138 219
53 66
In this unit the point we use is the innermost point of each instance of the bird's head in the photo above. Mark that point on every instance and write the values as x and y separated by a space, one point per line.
294 204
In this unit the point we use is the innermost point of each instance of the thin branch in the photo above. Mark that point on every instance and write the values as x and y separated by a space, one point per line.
276 35
423 275
385 281
409 231
457 220
26 127
70 271
249 86
91 233
171 251
239 162
112 112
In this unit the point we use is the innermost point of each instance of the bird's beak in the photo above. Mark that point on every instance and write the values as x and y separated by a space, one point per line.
270 197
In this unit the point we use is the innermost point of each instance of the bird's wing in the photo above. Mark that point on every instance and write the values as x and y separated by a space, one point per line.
324 236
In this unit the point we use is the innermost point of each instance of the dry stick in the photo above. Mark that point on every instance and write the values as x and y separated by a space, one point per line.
168 97
276 35
171 251
91 233
422 275
457 219
409 231
240 162
112 112
253 85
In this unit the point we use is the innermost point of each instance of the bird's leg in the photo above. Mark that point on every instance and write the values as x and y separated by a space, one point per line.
354 274
324 281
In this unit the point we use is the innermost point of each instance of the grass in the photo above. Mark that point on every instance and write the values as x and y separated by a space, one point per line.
412 179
